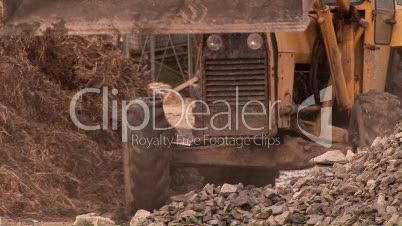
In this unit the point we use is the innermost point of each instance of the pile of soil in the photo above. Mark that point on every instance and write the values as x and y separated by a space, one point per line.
366 190
48 167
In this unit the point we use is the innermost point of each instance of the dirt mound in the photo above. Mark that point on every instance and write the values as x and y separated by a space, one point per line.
48 167
365 191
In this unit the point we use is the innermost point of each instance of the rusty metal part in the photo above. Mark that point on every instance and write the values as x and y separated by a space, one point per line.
155 16
288 153
187 84
344 5
286 75
333 54
397 30
348 57
358 35
223 155
293 109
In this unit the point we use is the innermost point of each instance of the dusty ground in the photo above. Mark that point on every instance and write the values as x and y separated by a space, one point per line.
40 224
195 183
286 177
293 157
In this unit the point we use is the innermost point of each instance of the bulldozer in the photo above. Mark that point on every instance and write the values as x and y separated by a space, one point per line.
294 65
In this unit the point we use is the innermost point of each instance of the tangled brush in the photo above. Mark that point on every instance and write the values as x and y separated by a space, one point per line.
48 167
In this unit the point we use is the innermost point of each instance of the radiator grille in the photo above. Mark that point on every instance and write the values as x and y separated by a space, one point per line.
222 76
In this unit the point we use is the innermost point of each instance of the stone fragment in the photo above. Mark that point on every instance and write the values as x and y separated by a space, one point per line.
350 155
241 200
139 218
93 220
276 210
298 218
283 218
187 213
330 158
393 220
314 219
271 221
213 222
391 210
269 193
209 188
229 188
4 221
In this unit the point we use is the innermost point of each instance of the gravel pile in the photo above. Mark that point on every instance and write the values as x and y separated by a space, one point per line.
367 190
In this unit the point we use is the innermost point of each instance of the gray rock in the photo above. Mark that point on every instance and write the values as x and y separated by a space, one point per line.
93 219
271 221
283 218
241 200
350 155
229 188
330 158
187 213
298 218
391 210
314 219
393 220
4 221
270 193
276 210
209 188
213 222
139 218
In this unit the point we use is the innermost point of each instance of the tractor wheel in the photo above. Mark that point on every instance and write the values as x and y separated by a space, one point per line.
146 165
373 115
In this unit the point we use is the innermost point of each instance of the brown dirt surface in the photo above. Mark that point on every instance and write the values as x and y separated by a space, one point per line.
50 169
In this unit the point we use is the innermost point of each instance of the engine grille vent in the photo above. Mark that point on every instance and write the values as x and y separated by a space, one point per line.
222 76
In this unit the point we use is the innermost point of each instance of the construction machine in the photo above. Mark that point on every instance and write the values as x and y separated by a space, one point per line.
294 65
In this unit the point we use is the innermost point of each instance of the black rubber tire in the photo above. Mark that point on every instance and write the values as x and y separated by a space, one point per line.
146 167
374 114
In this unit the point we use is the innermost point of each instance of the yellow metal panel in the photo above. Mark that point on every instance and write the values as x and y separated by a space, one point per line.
397 32
368 55
334 55
369 4
300 43
359 59
375 68
369 34
344 5
286 71
375 62
272 79
348 57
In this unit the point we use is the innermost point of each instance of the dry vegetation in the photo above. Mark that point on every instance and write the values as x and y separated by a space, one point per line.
49 168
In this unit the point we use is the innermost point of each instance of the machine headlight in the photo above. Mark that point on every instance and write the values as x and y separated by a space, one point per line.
255 41
214 42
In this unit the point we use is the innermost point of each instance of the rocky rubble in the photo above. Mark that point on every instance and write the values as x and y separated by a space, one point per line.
367 190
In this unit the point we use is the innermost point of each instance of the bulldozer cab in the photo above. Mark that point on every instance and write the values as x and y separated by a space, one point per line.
83 17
